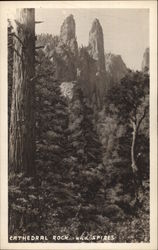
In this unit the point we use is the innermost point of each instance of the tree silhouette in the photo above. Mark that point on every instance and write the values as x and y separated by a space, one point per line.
130 101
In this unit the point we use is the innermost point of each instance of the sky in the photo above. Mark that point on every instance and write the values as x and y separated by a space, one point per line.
126 31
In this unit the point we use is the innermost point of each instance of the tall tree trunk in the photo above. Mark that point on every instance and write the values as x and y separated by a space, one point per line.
133 161
10 68
21 139
134 134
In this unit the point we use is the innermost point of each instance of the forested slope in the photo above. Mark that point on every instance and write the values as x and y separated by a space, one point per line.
92 149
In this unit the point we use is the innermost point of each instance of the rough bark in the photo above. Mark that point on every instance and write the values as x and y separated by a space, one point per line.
10 69
21 139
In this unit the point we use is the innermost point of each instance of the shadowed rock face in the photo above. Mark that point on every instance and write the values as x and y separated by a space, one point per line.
96 44
92 66
91 80
145 62
115 68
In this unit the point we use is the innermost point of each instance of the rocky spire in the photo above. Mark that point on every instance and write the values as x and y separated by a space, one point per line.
68 34
96 44
145 62
68 29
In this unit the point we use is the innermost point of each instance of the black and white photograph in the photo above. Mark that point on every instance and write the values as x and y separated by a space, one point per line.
78 125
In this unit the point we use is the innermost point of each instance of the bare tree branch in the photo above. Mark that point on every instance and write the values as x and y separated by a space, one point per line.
42 75
38 22
39 47
13 34
143 116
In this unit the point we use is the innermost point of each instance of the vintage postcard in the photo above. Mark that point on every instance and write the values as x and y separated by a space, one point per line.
78 125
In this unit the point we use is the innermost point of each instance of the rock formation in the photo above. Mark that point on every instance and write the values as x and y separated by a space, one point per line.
89 66
115 69
92 66
145 62
96 45
62 50
66 52
68 34
68 29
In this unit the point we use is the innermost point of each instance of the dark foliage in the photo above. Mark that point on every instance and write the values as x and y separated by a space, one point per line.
84 181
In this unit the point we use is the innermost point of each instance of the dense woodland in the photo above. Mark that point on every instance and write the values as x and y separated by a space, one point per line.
73 169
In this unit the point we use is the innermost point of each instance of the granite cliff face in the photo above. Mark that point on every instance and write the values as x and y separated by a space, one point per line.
115 69
145 62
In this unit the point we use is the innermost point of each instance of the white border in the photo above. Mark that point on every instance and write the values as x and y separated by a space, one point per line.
5 8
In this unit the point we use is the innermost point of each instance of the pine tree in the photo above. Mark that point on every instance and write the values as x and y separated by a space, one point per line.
57 199
88 172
